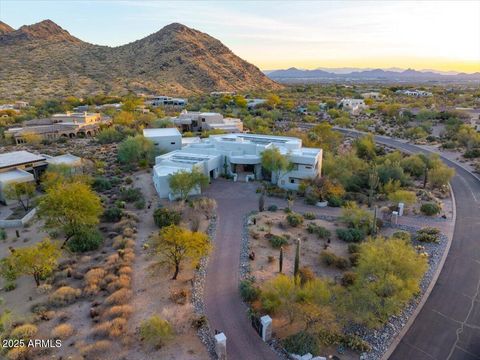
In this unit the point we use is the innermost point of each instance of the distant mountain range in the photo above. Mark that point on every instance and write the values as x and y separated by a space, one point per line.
44 60
294 75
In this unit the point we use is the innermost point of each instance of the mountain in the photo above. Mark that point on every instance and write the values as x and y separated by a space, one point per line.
44 60
5 28
294 75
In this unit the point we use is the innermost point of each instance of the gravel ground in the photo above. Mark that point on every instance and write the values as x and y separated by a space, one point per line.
204 332
379 339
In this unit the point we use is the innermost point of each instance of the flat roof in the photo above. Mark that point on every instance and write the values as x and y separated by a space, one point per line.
15 174
66 159
161 132
18 158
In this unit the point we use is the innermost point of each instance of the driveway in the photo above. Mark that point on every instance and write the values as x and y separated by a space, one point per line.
224 308
448 326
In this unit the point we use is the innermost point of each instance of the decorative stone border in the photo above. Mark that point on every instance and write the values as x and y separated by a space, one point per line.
204 332
13 223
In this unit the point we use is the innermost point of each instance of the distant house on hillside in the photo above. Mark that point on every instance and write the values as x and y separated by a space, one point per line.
204 121
253 103
161 100
372 95
415 93
68 125
353 106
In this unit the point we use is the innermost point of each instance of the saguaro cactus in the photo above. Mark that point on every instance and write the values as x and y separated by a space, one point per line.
261 203
280 262
297 259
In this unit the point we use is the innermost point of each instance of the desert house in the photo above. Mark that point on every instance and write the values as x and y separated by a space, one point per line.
238 156
167 139
204 121
68 125
353 106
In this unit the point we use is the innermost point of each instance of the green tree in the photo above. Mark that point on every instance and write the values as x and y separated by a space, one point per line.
39 260
365 147
183 182
275 162
355 217
273 100
136 151
22 192
123 118
174 245
240 101
403 196
388 272
70 207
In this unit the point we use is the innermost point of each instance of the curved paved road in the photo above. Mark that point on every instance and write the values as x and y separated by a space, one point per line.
448 326
224 309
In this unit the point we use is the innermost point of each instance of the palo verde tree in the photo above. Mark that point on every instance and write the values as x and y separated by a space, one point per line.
70 207
21 192
183 182
174 245
38 260
136 151
388 274
275 162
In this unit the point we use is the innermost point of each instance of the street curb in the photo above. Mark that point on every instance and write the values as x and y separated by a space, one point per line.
425 296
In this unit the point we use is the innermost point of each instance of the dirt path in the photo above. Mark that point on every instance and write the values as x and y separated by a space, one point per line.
224 308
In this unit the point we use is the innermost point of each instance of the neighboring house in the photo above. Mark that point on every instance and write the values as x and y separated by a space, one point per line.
353 106
203 121
222 93
166 139
156 101
372 95
239 156
19 166
69 125
416 93
253 103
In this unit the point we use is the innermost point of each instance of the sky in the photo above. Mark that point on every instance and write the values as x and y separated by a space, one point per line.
441 35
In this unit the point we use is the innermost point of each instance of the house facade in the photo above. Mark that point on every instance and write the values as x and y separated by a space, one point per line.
167 139
353 106
238 156
204 121
68 125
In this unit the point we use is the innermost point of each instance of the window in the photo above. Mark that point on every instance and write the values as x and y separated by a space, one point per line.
292 181
203 119
308 167
172 143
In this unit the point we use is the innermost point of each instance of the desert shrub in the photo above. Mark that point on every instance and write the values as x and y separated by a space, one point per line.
294 219
93 278
355 343
155 331
18 353
119 297
309 215
64 295
341 263
428 235
101 330
179 296
351 234
113 214
248 291
306 274
140 204
301 343
348 278
403 235
87 239
99 347
354 257
62 331
353 248
110 135
123 311
277 241
327 257
24 332
101 183
471 154
118 327
430 209
165 217
320 231
130 194
272 208
199 321
335 201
